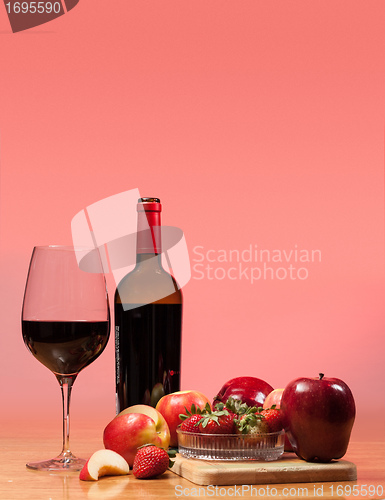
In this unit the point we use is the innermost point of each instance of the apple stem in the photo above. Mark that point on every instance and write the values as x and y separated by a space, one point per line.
321 376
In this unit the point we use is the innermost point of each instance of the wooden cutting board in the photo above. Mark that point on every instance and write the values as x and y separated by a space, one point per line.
288 469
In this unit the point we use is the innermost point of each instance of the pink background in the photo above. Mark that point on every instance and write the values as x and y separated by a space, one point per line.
255 122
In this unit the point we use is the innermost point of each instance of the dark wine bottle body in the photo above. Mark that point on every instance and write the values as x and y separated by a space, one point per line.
148 340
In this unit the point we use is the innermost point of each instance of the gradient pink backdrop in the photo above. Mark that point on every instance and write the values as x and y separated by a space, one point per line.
255 122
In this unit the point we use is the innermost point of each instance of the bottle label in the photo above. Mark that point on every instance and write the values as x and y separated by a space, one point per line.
117 367
117 353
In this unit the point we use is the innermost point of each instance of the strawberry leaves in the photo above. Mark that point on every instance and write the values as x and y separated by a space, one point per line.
232 416
195 410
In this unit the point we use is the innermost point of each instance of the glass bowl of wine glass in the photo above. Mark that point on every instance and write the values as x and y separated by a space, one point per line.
65 323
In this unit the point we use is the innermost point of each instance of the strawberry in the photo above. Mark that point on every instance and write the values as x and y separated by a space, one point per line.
217 422
192 417
195 410
191 423
272 417
150 461
251 423
235 407
221 407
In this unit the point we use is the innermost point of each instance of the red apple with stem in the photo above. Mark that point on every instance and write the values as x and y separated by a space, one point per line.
318 416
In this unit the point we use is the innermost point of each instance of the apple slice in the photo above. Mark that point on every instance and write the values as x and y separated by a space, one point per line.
104 463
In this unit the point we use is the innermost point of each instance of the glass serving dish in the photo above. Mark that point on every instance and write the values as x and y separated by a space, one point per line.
265 447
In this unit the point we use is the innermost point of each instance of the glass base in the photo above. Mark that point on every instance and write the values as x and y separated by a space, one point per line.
63 462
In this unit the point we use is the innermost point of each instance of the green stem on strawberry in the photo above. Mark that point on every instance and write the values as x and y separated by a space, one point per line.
195 410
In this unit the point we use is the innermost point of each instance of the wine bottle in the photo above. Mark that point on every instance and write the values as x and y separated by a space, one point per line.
148 320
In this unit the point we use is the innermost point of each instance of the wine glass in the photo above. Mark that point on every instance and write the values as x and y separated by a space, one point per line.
65 323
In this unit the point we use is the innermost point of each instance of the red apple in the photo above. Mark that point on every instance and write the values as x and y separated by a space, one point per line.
249 390
274 398
160 423
174 404
104 463
134 427
318 416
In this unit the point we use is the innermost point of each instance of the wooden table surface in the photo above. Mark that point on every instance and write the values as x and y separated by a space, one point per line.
18 482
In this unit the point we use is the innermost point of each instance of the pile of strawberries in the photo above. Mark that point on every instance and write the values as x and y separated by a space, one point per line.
234 417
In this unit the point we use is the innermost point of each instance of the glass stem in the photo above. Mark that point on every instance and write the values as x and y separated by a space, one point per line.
66 384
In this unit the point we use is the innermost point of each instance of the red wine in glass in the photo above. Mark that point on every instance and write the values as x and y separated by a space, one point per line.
65 347
65 323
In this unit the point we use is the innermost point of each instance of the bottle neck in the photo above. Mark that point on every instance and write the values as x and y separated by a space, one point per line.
148 243
150 260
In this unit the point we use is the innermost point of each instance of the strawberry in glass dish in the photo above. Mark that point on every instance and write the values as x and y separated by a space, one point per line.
217 422
272 418
251 423
191 424
192 417
233 431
